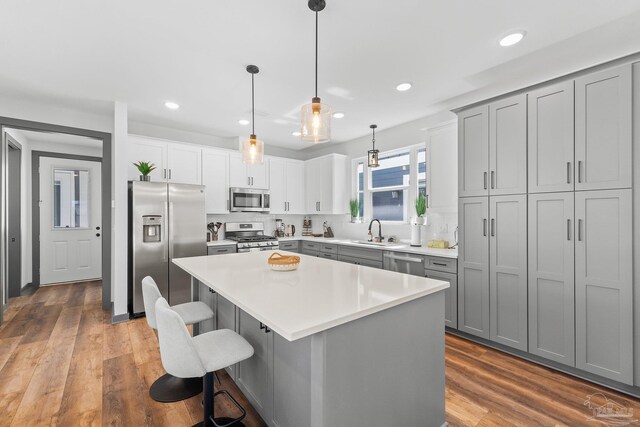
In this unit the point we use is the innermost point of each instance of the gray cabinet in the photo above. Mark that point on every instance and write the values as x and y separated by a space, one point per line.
360 256
473 152
508 270
219 250
508 146
310 248
254 375
603 129
604 280
473 266
551 277
450 295
290 245
226 319
550 131
209 297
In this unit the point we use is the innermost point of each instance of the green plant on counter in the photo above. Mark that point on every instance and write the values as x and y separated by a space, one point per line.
421 204
354 206
145 168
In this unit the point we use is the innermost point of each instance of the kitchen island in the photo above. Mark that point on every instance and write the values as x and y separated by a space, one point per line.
336 344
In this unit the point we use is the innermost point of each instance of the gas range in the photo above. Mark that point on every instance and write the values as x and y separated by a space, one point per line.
249 236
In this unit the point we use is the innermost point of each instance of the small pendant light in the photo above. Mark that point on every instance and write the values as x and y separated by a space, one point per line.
373 154
316 116
253 148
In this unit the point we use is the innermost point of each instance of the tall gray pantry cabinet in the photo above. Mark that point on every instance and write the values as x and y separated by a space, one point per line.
546 223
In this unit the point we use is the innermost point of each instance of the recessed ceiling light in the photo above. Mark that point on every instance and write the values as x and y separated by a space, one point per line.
403 87
171 105
338 115
511 39
243 122
296 133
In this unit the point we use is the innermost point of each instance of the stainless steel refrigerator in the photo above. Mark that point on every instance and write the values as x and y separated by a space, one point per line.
166 221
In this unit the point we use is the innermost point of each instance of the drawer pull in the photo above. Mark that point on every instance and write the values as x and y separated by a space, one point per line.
441 264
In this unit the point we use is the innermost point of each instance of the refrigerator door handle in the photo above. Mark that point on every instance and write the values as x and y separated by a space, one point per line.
170 242
164 234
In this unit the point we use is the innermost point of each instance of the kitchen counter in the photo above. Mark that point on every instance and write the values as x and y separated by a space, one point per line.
398 247
221 242
335 344
319 295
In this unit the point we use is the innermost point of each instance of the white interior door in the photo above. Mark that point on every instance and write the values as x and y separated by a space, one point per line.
70 220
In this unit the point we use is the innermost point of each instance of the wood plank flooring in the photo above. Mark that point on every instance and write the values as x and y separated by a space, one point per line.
63 363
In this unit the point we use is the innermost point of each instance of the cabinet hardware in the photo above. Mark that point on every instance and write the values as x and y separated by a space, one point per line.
319 207
568 229
248 181
97 235
441 264
266 329
426 201
169 173
579 230
493 227
579 170
251 180
164 173
493 176
484 227
568 172
262 325
485 180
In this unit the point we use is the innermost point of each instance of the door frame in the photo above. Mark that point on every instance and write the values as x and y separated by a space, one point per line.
35 205
106 138
12 143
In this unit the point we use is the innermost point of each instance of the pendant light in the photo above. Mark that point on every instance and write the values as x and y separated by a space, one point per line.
253 148
373 154
316 116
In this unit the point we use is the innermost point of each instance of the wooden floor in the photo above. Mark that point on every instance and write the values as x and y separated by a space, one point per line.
63 363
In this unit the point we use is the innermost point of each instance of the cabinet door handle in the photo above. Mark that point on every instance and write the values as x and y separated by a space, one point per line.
248 181
485 180
252 181
441 264
169 173
262 325
568 172
579 230
493 227
493 175
568 229
579 170
484 227
164 173
426 201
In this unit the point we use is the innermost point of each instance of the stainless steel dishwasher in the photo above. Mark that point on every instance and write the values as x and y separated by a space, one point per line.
404 263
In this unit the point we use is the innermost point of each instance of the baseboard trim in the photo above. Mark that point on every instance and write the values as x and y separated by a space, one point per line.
120 318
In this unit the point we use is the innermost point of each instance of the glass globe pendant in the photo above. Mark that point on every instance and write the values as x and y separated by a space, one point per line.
253 148
316 116
373 154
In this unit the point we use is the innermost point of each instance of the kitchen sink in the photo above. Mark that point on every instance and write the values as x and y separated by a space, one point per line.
379 244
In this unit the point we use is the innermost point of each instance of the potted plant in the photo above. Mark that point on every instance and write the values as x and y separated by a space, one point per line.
145 168
354 206
421 208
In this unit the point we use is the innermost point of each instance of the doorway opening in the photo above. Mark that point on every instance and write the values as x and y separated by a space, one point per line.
56 208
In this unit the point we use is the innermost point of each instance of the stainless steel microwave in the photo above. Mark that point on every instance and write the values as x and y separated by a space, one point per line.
248 200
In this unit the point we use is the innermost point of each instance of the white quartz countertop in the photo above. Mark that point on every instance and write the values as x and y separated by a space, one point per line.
221 243
319 295
398 247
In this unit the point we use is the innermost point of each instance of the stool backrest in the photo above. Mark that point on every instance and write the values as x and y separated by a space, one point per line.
150 294
177 351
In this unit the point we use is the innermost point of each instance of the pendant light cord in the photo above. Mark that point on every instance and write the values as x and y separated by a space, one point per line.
316 53
253 109
374 138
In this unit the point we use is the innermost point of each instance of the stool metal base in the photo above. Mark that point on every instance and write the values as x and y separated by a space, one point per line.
168 388
209 419
223 421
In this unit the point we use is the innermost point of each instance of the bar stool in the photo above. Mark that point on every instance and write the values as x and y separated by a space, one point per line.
168 388
184 356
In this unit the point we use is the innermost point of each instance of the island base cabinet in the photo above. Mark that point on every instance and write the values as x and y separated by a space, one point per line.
604 284
226 319
450 296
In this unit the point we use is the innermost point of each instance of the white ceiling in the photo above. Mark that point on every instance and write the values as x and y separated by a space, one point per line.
87 53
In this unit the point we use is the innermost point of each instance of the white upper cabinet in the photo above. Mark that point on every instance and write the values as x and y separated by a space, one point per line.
603 129
247 176
184 164
147 150
473 150
176 163
551 138
286 183
215 176
508 146
442 179
326 185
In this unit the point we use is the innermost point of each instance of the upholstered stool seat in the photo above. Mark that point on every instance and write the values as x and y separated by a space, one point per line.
185 356
168 388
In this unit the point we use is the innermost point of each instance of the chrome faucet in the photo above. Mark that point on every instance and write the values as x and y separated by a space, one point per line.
378 239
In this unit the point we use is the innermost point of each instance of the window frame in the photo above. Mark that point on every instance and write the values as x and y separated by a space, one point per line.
411 187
